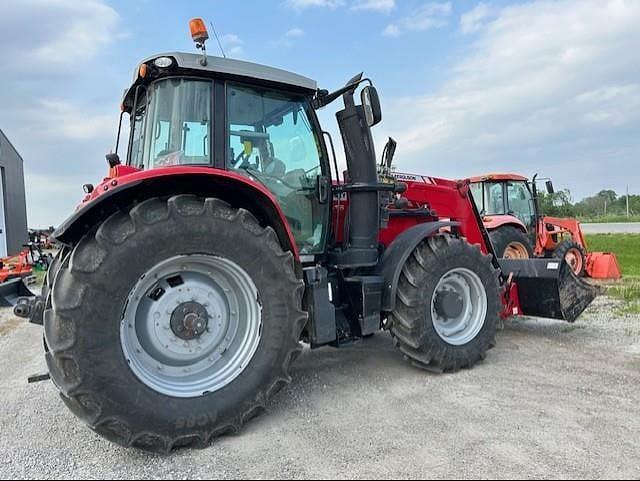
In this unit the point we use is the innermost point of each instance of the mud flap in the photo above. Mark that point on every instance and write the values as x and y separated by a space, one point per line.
12 290
548 288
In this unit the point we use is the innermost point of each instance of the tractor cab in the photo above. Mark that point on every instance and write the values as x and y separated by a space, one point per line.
266 130
506 195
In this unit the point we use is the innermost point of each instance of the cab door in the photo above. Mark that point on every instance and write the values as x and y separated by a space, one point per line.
273 138
521 204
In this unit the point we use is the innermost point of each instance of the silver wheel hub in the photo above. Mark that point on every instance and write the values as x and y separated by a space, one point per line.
459 306
191 325
189 321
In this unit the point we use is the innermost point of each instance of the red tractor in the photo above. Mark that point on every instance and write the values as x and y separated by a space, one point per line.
189 276
16 274
510 211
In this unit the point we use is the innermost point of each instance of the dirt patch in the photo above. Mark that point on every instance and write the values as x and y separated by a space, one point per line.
8 326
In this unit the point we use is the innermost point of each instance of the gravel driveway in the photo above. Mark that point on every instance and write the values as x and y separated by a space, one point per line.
552 400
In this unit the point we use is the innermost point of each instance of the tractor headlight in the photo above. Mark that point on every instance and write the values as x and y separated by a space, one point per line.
163 62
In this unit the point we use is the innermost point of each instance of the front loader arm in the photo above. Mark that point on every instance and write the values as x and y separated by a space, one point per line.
536 287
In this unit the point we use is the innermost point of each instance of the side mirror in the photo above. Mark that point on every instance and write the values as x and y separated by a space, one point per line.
550 188
371 104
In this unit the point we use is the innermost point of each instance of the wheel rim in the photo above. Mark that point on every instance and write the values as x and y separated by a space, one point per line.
574 259
459 306
191 325
516 250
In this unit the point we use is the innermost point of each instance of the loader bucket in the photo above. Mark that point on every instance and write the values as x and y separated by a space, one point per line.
603 265
548 288
12 290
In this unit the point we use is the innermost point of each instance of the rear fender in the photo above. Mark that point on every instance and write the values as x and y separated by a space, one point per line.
398 252
123 192
493 222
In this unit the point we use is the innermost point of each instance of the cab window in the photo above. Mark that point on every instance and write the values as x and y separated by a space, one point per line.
271 140
172 124
520 202
494 198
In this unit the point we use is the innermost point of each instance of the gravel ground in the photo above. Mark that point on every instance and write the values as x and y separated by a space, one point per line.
552 400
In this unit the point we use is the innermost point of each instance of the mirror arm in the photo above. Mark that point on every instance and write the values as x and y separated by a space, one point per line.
324 98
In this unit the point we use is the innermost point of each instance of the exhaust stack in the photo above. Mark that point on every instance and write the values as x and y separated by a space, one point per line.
363 224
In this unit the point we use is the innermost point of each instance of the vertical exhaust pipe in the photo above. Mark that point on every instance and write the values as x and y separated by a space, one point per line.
363 224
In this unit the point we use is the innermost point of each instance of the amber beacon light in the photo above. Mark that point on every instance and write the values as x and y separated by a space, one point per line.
199 31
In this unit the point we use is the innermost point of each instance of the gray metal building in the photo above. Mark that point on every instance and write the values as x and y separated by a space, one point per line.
13 206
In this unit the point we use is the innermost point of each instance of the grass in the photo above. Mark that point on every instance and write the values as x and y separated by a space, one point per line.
610 219
631 308
628 291
625 246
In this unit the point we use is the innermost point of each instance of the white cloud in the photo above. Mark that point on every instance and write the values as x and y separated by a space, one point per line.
64 120
548 85
392 30
473 20
233 45
294 32
426 17
43 43
50 198
55 33
302 4
384 6
288 40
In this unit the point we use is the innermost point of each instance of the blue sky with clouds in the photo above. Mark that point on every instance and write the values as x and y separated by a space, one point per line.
467 87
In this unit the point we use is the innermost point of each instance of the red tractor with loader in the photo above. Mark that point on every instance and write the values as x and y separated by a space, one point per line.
189 276
510 210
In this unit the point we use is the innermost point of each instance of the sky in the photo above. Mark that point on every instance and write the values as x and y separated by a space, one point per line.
467 87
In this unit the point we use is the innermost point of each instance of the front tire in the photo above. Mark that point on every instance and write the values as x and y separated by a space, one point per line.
447 305
574 255
107 377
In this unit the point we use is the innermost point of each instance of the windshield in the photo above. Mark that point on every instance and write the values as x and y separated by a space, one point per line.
520 202
171 124
505 198
489 197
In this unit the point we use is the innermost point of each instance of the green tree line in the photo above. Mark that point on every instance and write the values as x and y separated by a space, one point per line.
605 204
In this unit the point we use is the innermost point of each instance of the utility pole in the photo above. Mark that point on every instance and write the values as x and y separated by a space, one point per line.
628 201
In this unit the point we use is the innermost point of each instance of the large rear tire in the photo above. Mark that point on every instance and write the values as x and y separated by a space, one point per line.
511 243
447 305
227 304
